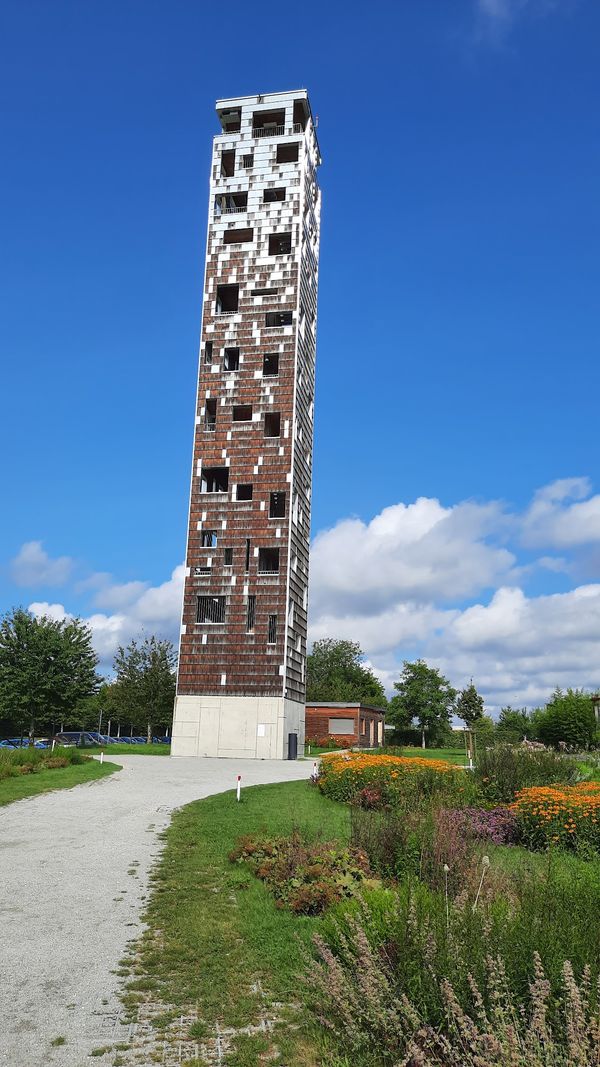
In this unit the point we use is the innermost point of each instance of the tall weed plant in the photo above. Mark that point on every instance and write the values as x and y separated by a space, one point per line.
427 981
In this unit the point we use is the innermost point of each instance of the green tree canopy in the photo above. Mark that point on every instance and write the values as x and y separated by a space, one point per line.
568 719
515 724
47 666
335 672
144 689
423 696
469 706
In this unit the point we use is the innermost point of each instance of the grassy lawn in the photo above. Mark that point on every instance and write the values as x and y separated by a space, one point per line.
216 940
129 750
453 755
29 785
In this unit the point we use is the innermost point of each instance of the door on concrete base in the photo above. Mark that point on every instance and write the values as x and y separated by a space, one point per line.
265 739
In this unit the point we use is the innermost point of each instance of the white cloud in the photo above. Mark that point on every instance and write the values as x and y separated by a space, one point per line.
419 552
50 611
560 517
144 609
33 566
422 579
119 596
399 584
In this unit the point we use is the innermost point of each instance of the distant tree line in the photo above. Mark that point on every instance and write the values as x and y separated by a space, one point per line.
424 703
49 680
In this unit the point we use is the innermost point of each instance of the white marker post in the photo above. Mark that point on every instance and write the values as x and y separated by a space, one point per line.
102 757
239 786
53 745
315 772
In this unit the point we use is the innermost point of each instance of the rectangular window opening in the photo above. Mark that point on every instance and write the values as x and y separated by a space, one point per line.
208 351
266 122
273 196
280 244
272 633
242 413
210 415
272 424
230 120
288 153
251 613
248 161
228 163
208 539
231 359
247 563
228 297
270 364
215 479
268 561
230 203
228 557
300 113
273 319
277 505
264 292
243 492
238 237
210 609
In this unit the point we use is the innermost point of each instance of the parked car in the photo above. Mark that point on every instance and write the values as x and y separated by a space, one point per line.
74 737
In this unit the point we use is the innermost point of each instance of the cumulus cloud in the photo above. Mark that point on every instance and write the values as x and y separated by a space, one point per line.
560 516
32 566
409 552
144 609
448 583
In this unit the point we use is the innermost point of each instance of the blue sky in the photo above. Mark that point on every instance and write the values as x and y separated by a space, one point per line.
458 316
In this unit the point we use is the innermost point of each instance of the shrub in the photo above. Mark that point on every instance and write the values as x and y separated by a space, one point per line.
503 770
345 776
566 817
305 876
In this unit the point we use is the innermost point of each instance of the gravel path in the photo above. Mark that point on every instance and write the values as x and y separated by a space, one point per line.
73 875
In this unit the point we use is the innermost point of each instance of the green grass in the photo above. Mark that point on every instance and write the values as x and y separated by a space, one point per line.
128 750
453 755
214 930
30 785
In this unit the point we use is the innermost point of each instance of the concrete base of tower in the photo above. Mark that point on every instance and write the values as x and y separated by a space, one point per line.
240 727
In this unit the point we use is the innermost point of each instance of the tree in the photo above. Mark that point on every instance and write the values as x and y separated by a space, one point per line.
335 672
47 666
144 689
514 725
569 719
424 696
469 706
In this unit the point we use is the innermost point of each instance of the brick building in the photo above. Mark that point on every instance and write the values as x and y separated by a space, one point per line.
352 725
241 678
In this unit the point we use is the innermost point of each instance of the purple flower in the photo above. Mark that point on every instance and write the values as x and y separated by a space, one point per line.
498 825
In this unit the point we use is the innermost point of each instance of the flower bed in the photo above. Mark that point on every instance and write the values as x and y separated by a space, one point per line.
566 817
380 780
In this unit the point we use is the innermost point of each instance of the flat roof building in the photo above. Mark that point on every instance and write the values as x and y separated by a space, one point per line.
241 676
349 725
